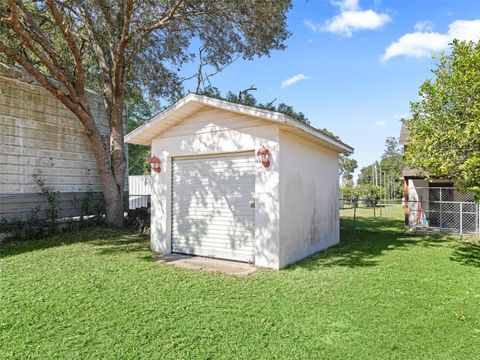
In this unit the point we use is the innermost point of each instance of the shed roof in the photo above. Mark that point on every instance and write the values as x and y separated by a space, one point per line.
191 103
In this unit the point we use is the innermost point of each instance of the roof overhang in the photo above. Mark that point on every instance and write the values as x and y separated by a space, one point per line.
192 103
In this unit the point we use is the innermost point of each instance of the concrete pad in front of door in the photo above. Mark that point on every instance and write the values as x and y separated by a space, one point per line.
206 264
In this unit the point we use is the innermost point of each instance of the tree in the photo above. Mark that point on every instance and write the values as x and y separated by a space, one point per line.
114 46
387 171
348 165
392 162
244 97
139 111
445 124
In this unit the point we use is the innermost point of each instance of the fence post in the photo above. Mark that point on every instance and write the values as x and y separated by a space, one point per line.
374 207
441 214
354 214
461 218
478 220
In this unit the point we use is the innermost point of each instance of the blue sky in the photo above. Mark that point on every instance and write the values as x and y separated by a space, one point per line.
358 64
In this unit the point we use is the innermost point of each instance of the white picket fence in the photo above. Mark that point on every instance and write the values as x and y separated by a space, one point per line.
139 191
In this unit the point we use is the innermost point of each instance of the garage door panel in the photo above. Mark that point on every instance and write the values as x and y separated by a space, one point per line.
216 253
239 203
211 211
237 234
215 243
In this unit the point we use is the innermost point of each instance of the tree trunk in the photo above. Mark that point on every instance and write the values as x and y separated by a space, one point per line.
112 192
114 212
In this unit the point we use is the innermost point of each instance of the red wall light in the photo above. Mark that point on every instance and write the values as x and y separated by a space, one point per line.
263 155
155 163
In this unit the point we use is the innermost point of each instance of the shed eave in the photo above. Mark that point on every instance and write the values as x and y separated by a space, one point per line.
193 102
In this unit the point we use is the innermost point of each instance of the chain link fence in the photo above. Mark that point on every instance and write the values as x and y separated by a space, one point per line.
428 209
443 209
371 214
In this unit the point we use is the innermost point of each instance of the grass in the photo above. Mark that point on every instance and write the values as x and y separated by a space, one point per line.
378 295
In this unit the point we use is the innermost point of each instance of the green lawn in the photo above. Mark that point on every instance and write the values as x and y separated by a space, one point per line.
379 295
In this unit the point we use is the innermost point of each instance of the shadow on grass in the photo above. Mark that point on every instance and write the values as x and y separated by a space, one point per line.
467 253
365 247
372 225
114 240
127 244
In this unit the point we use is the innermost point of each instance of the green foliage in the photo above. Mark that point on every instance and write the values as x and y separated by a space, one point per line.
246 98
51 195
140 111
33 227
347 166
367 193
445 124
36 226
391 165
97 294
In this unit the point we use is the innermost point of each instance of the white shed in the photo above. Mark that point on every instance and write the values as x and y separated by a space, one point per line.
214 198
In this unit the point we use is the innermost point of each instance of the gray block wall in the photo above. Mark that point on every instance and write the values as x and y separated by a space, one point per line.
40 137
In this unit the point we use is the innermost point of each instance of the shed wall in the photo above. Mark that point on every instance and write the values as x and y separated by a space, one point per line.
217 132
309 193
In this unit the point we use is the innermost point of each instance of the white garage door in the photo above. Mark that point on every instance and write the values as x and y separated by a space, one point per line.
212 206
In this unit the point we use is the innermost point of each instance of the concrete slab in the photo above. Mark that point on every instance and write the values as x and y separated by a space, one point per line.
206 264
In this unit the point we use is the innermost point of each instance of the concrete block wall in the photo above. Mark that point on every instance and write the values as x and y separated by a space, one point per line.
40 136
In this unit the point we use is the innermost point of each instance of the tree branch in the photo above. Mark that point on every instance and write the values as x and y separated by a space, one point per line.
77 109
162 22
70 40
119 60
101 59
20 31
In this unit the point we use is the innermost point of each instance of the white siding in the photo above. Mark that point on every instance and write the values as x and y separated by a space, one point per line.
309 214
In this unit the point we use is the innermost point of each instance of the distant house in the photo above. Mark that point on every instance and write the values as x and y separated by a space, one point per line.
240 183
436 203
42 139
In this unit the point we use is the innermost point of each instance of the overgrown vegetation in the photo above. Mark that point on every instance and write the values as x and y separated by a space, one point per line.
45 220
97 294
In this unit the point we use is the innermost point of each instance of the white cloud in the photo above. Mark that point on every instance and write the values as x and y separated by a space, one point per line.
312 26
345 4
350 19
420 44
294 79
380 123
424 25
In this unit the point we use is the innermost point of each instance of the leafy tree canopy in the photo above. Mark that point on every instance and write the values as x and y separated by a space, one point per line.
445 124
246 98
